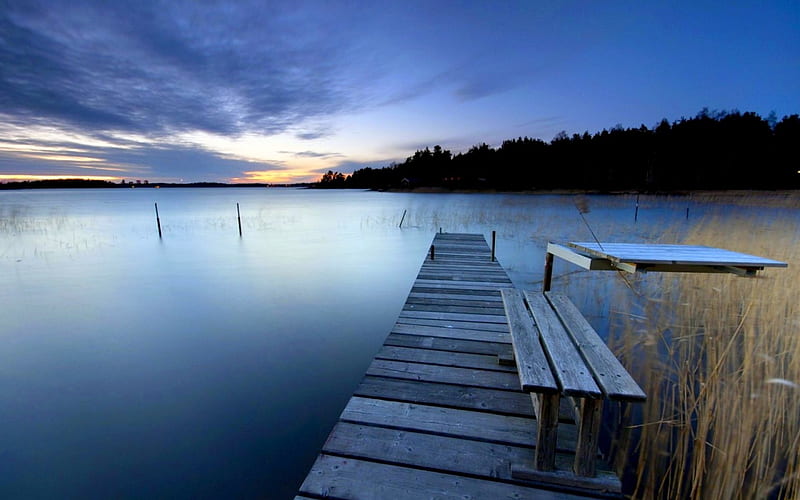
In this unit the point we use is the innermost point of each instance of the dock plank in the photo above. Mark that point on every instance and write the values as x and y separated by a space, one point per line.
348 478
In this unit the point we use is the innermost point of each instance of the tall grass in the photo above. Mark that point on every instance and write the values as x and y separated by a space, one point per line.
719 357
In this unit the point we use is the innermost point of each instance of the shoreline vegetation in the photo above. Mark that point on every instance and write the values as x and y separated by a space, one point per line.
718 360
716 150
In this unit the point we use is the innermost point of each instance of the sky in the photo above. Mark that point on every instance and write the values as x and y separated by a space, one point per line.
283 91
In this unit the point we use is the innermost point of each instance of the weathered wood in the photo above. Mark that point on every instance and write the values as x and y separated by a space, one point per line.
484 318
546 407
445 374
454 300
348 478
603 482
457 292
613 379
469 309
456 325
442 358
448 344
453 333
433 452
452 422
447 395
573 376
588 437
534 370
436 415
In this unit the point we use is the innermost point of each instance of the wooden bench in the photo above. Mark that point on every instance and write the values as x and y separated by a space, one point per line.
559 355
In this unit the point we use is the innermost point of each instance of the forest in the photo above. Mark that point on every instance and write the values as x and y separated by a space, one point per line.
710 151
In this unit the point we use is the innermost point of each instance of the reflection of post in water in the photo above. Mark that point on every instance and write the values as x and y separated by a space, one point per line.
158 222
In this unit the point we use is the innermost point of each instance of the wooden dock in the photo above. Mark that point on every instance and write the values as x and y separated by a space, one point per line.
436 415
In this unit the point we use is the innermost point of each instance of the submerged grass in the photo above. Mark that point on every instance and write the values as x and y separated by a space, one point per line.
719 357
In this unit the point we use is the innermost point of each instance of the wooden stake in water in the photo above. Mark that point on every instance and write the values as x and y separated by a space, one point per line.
402 219
494 240
433 252
239 218
158 222
636 213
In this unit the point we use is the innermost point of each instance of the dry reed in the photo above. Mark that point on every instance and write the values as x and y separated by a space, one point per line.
719 357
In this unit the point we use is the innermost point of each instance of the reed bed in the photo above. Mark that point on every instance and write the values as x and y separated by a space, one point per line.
719 357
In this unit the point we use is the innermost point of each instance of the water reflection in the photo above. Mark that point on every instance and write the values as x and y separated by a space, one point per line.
205 365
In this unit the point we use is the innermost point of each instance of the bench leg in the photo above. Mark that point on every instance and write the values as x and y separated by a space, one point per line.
546 407
588 433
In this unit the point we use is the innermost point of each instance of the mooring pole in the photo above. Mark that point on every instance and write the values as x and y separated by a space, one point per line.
548 272
402 219
158 222
636 213
494 240
239 218
433 252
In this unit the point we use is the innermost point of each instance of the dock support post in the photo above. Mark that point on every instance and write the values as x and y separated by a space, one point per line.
239 218
494 240
548 272
158 222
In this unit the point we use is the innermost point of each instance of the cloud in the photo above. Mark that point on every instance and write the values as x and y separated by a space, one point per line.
163 67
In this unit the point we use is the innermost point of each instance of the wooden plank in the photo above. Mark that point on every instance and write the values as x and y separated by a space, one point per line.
444 374
449 344
455 297
514 403
480 318
534 370
469 309
443 454
456 291
442 358
453 396
348 478
613 379
452 333
442 421
463 325
460 285
572 374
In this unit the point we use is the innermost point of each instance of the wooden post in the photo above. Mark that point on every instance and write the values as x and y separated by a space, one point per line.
546 407
687 213
433 252
402 219
158 222
548 272
494 239
239 218
588 437
636 213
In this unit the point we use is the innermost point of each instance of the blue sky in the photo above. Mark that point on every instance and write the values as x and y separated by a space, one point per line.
267 91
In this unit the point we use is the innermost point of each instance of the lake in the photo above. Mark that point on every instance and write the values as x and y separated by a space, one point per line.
205 365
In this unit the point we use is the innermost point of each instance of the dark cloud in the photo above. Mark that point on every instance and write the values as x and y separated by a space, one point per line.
313 154
161 67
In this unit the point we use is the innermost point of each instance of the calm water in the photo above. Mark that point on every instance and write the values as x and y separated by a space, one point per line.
204 365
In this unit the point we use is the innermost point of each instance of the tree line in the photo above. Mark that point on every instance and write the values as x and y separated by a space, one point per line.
712 150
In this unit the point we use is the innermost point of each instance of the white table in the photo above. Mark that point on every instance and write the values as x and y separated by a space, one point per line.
644 257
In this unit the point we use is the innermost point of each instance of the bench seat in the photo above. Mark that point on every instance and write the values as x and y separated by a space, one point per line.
559 355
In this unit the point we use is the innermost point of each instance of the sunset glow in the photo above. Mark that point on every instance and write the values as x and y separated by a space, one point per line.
284 93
